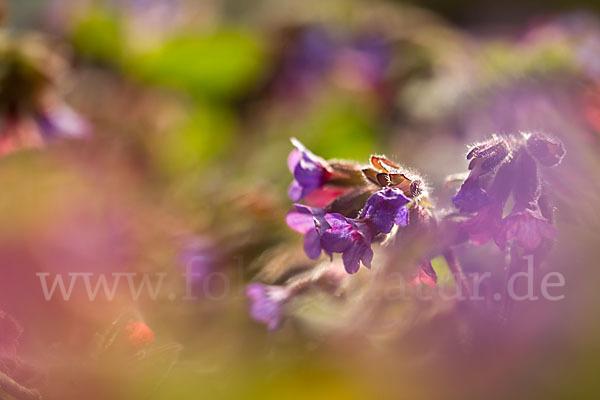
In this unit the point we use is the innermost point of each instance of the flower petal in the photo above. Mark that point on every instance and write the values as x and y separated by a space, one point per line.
300 219
312 244
427 274
350 237
385 207
310 172
351 259
293 160
295 191
471 197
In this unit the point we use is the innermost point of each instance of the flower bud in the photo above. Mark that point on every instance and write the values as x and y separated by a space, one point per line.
547 151
488 155
138 335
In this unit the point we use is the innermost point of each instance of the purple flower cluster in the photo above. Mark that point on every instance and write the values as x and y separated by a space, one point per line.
352 237
347 224
501 169
348 207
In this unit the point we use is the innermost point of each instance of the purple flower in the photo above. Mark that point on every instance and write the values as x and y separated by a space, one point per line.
312 55
305 61
527 227
266 303
351 237
471 196
515 161
61 121
363 63
483 226
485 158
310 171
376 54
305 220
386 208
333 233
199 257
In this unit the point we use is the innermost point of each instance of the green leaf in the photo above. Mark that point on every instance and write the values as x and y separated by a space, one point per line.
204 136
220 65
99 36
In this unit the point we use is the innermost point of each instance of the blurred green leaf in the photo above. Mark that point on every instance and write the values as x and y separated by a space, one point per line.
504 60
218 66
444 275
99 36
340 129
204 136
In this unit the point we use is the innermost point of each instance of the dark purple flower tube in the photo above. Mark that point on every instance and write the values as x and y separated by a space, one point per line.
471 196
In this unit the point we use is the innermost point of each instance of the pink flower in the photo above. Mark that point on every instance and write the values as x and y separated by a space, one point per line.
527 227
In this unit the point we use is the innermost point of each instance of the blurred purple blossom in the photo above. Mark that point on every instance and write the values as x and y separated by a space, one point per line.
363 62
266 303
375 55
61 121
307 59
199 256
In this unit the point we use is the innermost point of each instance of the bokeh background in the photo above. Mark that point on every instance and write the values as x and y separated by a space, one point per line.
178 116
